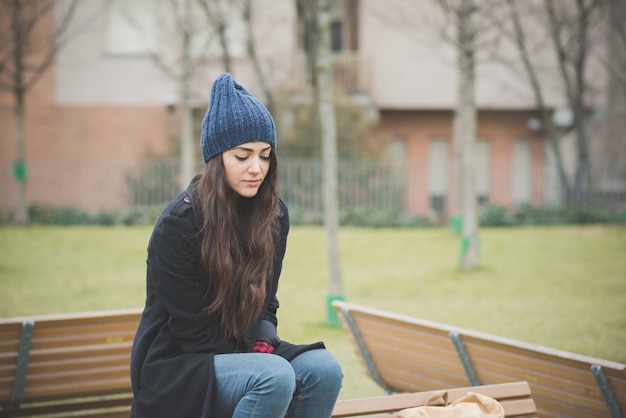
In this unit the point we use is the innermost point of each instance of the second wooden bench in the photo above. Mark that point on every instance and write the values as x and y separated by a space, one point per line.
406 354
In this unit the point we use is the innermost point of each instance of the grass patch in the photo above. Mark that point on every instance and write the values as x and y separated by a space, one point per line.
562 287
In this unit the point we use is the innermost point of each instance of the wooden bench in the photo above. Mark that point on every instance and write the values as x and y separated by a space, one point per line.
406 354
514 397
57 365
78 364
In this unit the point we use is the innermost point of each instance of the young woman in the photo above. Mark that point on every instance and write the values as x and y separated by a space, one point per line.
207 345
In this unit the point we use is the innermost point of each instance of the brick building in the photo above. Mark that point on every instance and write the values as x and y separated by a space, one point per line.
104 105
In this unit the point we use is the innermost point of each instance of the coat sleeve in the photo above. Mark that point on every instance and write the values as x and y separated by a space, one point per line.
270 322
180 287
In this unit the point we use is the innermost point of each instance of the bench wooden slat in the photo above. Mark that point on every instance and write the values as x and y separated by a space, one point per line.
552 376
118 358
441 352
72 358
514 397
425 366
114 406
410 354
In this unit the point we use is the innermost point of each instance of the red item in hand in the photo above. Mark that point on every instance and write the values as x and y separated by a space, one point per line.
262 347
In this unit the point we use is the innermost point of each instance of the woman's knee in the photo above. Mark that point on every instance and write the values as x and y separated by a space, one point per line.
330 371
276 373
319 366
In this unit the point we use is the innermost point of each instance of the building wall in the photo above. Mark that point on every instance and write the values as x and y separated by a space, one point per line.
93 106
67 146
499 128
414 66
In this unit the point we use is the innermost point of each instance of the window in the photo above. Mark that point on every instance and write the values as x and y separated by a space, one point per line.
335 36
135 27
521 172
206 43
343 27
483 172
396 150
438 175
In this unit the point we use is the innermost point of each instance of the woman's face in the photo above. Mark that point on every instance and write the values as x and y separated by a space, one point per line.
246 166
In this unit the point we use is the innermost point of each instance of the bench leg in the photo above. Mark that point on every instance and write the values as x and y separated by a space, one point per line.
21 366
465 358
607 391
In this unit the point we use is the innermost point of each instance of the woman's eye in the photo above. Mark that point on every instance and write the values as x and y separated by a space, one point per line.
241 158
265 157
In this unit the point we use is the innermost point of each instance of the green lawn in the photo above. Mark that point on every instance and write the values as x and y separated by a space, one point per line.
562 287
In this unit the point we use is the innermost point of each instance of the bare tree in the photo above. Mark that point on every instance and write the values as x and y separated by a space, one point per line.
607 138
27 49
254 57
219 15
616 62
472 34
465 131
321 13
179 34
570 36
189 65
469 26
308 17
217 19
569 28
186 35
552 133
614 133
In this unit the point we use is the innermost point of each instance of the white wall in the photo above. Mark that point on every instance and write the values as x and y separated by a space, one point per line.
94 70
411 67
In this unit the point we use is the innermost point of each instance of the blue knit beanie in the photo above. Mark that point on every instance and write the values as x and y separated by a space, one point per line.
234 117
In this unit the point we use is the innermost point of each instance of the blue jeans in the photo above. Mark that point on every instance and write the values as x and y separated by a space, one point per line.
268 386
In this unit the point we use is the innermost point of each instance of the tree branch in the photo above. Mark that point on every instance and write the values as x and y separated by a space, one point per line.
555 30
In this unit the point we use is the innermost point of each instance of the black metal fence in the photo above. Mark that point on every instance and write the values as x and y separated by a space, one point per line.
363 184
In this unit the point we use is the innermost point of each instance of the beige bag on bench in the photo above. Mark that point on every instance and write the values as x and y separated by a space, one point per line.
471 405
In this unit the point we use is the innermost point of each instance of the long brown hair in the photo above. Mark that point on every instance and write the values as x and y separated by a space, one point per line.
237 245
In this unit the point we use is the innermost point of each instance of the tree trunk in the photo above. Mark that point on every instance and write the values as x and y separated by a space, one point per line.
307 12
574 81
251 48
466 131
221 24
186 146
548 126
583 168
19 90
328 129
20 169
186 153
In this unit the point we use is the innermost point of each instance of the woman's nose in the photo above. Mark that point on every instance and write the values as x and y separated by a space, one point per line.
255 166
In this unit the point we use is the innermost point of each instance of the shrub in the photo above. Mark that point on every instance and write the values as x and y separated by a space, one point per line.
589 216
490 216
141 215
6 215
530 215
107 218
493 215
58 215
380 218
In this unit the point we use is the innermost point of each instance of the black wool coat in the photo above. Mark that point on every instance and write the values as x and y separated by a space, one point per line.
172 370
